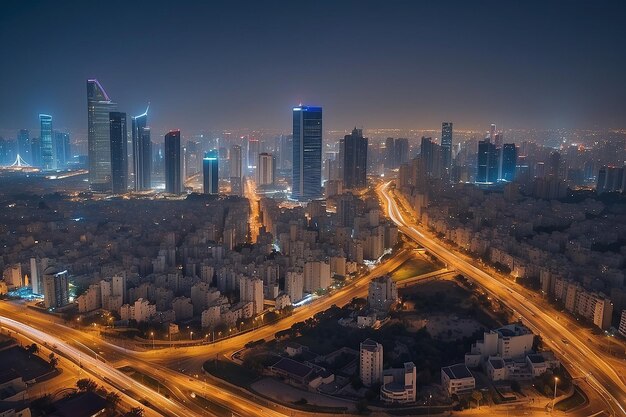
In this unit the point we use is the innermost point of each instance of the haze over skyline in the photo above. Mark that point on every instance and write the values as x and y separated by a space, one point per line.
377 65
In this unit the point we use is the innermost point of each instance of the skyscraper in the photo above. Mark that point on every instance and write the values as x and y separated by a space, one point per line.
307 153
173 173
62 149
253 152
235 162
265 169
401 148
119 152
509 161
446 143
142 152
487 162
24 146
210 178
285 151
355 160
99 105
432 156
46 144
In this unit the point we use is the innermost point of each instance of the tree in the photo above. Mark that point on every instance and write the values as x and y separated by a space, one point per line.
361 407
54 361
32 349
135 412
113 399
477 396
86 385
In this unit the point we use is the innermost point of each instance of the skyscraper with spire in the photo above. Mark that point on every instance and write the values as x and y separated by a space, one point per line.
142 152
99 105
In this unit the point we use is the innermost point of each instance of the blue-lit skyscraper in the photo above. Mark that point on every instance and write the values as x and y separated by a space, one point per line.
62 151
446 144
142 152
24 145
173 168
46 143
307 153
119 152
509 161
487 162
98 136
210 179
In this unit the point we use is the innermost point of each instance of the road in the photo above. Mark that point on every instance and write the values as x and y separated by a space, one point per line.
595 366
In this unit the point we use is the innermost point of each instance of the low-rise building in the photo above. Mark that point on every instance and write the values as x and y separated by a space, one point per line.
457 379
399 384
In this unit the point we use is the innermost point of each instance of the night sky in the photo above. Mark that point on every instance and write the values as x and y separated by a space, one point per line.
215 65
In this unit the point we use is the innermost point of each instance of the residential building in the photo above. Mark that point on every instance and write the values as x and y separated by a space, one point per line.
371 362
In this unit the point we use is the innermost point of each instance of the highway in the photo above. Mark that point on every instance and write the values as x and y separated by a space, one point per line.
596 367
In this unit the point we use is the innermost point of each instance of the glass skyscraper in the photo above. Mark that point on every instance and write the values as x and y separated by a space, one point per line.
446 143
210 178
173 169
487 162
99 105
509 161
46 143
307 153
119 152
142 152
63 152
355 160
24 146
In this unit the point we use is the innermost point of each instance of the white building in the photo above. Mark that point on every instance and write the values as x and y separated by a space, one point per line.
12 275
382 293
316 276
457 379
141 311
294 285
399 385
265 169
251 290
282 301
90 300
371 362
183 308
512 341
622 324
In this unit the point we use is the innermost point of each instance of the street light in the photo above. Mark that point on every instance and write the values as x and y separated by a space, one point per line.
556 380
191 335
152 334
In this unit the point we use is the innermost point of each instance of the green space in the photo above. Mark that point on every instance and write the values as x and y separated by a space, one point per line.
572 402
414 267
147 380
230 372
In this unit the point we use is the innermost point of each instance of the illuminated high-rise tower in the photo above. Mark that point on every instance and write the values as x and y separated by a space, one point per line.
307 153
99 105
446 143
210 178
509 161
119 152
265 169
46 143
173 169
142 152
24 145
355 160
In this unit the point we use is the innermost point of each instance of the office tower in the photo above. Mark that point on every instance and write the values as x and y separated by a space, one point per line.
235 162
142 152
371 362
498 140
63 153
173 178
99 105
210 179
253 152
355 160
555 164
446 144
509 161
35 152
401 149
432 156
307 153
265 170
119 152
46 144
492 133
285 152
487 162
24 145
55 288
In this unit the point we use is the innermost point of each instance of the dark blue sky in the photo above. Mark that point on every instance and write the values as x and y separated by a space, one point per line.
210 65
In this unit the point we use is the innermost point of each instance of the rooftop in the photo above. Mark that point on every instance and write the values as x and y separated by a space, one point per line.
458 371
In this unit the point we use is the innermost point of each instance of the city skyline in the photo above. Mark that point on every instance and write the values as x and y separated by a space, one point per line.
537 70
